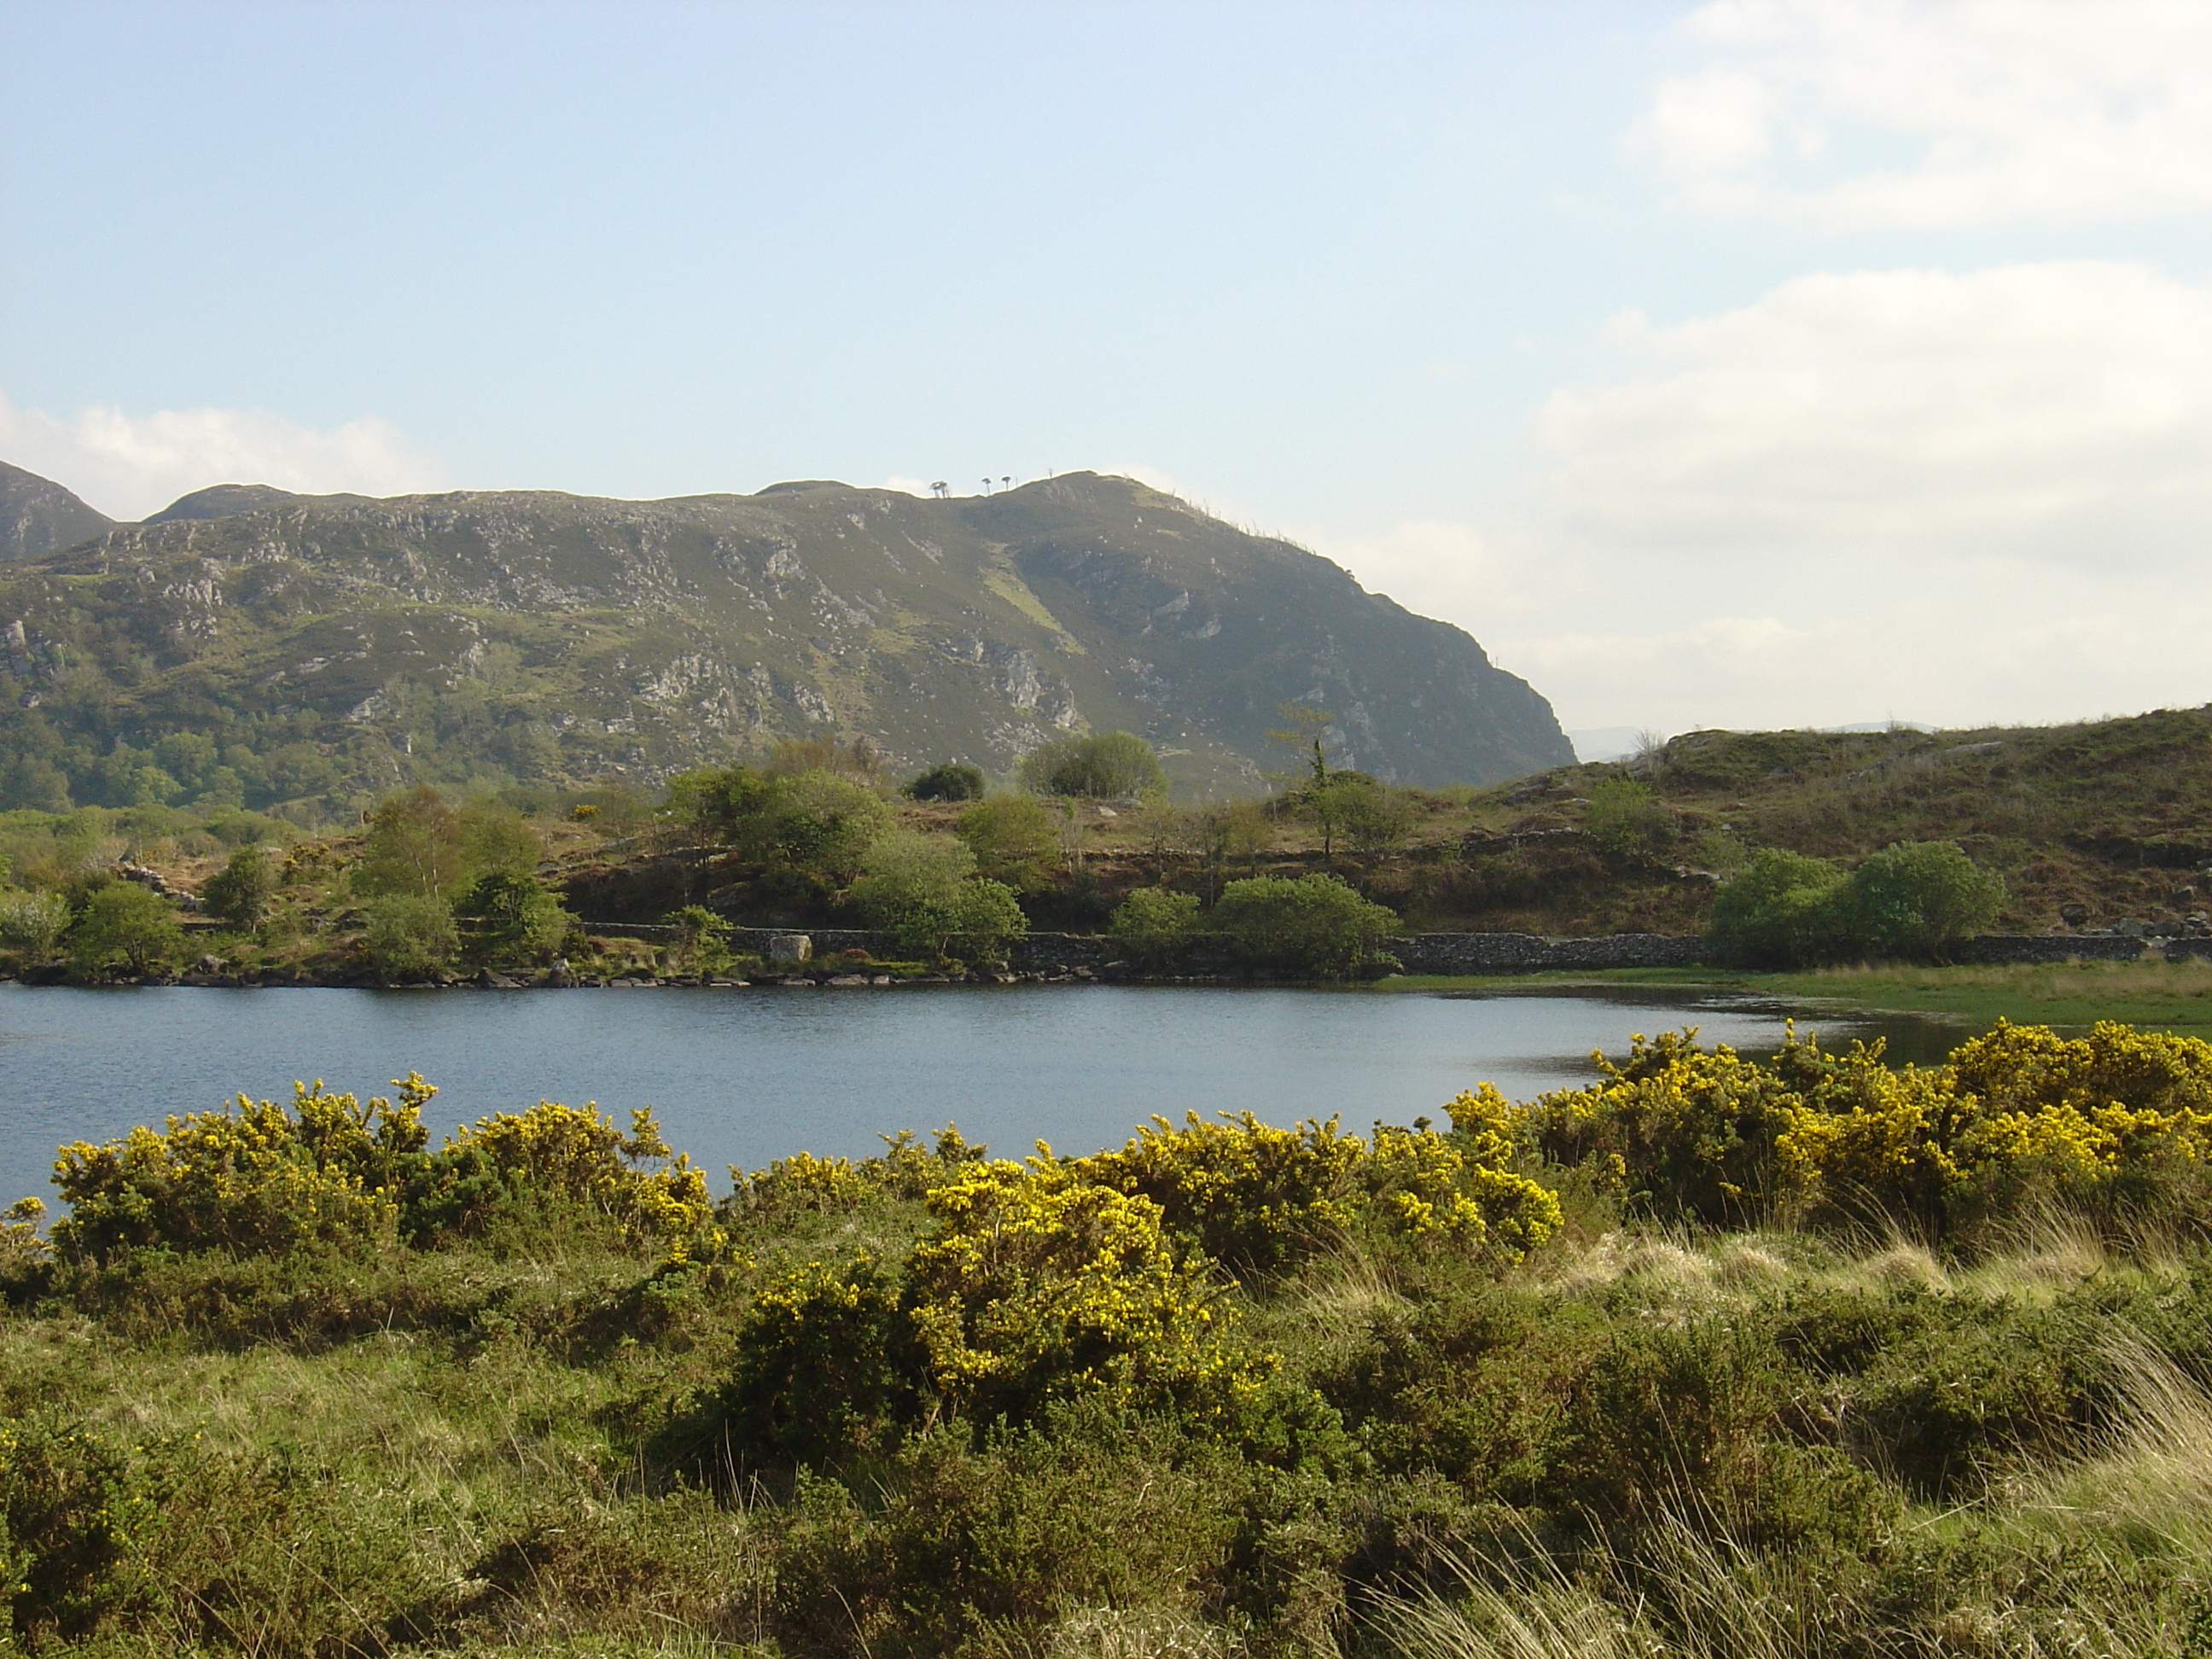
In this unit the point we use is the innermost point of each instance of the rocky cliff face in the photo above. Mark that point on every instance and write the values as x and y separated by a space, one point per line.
543 635
37 515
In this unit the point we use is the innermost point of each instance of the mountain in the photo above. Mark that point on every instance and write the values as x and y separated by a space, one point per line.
37 515
337 645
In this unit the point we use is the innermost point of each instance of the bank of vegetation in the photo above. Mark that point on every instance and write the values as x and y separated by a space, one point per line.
1714 1356
950 867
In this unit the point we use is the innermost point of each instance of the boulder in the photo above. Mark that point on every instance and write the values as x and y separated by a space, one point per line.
790 949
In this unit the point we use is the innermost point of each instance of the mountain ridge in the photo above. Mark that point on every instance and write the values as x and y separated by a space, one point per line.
536 636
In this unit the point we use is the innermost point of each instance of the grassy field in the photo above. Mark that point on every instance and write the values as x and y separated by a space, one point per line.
2164 996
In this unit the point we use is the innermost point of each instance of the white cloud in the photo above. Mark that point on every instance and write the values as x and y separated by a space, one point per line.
2047 110
130 466
1952 497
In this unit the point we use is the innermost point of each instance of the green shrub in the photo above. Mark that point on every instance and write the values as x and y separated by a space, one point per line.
124 927
1105 766
1015 839
410 936
240 892
332 1172
1625 817
923 891
1313 926
948 781
1915 900
1777 910
513 917
74 1505
1154 922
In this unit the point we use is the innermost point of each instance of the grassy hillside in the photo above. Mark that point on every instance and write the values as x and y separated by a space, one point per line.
272 648
37 515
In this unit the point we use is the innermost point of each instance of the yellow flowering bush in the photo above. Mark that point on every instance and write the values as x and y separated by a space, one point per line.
1039 1283
1259 1198
261 1177
803 1183
2119 1117
330 1170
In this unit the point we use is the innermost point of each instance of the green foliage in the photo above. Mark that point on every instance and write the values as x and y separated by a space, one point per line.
257 1179
1313 926
1015 839
1778 910
124 927
1782 908
1103 766
1370 815
948 781
1154 923
815 823
239 893
513 917
1914 900
31 924
923 889
702 936
415 847
1625 817
410 935
74 1507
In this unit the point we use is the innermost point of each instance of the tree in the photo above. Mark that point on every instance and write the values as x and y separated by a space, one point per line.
31 924
239 893
410 935
701 933
514 917
1310 925
1103 766
1015 839
1776 910
495 839
1915 899
415 847
1305 733
948 781
124 925
923 889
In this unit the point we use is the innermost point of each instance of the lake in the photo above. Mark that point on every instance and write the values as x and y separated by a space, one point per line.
745 1075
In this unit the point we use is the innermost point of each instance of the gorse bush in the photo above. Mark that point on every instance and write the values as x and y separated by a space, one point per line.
2114 1124
331 1171
1259 1199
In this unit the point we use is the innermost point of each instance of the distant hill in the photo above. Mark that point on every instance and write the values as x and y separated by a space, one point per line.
37 515
337 645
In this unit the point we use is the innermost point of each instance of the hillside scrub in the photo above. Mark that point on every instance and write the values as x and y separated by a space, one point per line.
1797 1357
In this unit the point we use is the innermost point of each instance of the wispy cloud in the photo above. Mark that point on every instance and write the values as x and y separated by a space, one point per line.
129 465
2052 111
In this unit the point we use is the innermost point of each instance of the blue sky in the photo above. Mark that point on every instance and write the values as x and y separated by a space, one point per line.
1772 362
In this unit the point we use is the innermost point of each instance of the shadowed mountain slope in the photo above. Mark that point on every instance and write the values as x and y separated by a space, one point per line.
535 636
37 515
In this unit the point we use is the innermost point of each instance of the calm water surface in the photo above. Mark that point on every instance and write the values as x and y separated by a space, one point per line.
742 1076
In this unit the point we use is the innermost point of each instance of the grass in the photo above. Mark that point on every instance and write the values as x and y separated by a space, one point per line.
2165 996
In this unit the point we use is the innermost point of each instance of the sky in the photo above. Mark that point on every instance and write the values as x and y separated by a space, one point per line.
1754 364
